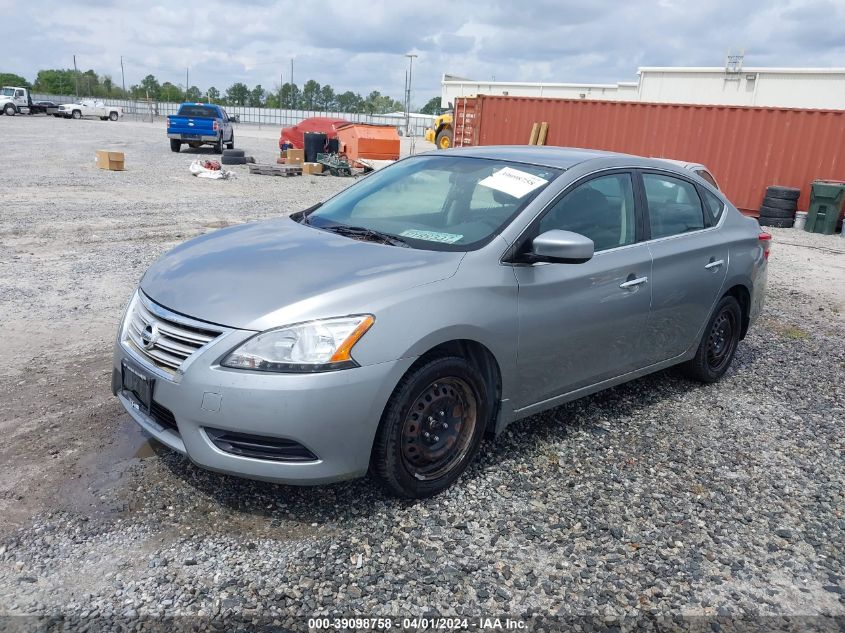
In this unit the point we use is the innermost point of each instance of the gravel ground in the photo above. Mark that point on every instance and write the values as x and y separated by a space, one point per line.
657 499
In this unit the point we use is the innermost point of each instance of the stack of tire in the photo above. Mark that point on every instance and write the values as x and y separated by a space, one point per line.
233 157
779 207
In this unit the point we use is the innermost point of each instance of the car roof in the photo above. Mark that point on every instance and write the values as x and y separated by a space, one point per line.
684 163
559 157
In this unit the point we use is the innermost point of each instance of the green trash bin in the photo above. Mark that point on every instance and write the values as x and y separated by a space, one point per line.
826 198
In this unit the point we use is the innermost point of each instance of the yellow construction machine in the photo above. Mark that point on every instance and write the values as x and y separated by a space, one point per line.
441 133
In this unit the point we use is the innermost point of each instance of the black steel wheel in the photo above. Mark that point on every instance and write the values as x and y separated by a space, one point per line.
431 428
719 342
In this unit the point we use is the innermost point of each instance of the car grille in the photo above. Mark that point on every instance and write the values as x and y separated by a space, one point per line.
163 416
163 338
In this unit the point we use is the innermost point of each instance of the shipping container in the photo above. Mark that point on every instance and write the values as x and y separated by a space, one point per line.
746 148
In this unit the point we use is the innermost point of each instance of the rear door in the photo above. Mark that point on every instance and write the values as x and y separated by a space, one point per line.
690 262
582 323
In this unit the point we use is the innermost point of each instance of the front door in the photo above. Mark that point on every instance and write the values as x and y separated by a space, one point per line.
580 324
690 264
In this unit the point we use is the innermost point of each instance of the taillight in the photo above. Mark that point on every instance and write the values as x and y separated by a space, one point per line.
765 242
168 122
216 125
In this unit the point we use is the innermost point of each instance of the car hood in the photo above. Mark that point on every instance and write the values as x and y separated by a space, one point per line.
266 274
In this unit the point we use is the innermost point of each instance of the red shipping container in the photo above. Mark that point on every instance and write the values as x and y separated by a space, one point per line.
746 148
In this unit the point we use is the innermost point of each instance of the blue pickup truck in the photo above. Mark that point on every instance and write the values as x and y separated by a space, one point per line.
200 124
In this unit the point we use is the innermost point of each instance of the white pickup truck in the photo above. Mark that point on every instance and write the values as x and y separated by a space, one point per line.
90 109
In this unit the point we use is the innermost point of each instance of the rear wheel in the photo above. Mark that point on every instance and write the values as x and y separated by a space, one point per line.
444 139
113 116
719 343
218 146
231 143
431 428
175 145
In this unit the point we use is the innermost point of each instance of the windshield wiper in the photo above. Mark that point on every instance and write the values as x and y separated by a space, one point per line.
362 232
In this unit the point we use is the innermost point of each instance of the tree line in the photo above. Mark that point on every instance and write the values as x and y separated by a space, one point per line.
311 96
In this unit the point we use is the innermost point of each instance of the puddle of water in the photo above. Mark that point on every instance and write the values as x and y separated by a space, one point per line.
100 471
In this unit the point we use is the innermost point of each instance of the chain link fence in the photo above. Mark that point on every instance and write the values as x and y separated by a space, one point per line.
142 110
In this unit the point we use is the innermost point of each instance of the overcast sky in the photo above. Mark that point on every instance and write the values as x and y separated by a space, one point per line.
360 46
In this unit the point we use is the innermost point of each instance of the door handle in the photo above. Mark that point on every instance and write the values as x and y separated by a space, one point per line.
631 283
715 264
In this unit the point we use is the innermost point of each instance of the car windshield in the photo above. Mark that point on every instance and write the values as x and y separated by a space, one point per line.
198 111
436 202
8 92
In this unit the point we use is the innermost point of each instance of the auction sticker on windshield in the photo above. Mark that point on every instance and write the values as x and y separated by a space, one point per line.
431 236
513 182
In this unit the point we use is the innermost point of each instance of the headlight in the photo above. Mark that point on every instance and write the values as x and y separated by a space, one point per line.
314 346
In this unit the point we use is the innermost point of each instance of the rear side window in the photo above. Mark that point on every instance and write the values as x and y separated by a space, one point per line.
714 205
601 209
198 111
673 206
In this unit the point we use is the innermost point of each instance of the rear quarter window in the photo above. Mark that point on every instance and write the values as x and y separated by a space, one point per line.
714 204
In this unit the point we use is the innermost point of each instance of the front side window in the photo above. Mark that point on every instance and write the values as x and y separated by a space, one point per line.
454 203
601 209
673 206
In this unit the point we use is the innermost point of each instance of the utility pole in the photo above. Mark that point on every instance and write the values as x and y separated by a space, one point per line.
187 83
410 57
291 71
76 76
122 78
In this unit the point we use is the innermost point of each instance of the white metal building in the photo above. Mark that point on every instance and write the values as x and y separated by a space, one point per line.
780 87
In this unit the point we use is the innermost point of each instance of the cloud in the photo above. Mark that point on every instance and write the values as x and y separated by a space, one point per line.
362 48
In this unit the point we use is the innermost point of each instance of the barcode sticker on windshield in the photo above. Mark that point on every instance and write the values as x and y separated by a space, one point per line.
431 236
513 182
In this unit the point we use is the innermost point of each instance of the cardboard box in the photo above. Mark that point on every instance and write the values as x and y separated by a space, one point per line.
295 156
312 168
109 160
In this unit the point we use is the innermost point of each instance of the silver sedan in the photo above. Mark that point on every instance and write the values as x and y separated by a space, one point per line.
391 327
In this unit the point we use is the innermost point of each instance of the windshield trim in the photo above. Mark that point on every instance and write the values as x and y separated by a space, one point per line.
305 217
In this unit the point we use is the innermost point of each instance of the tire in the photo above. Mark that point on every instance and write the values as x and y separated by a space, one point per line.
113 116
419 450
774 212
218 146
76 114
778 223
175 145
231 144
233 160
10 110
718 345
233 152
444 139
787 193
780 203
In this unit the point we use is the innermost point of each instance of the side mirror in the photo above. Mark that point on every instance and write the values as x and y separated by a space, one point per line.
562 247
235 118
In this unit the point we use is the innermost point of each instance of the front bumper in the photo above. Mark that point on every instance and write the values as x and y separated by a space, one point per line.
334 415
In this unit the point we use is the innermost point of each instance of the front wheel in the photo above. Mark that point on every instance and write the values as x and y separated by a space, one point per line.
175 145
76 114
719 343
444 139
10 110
431 428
